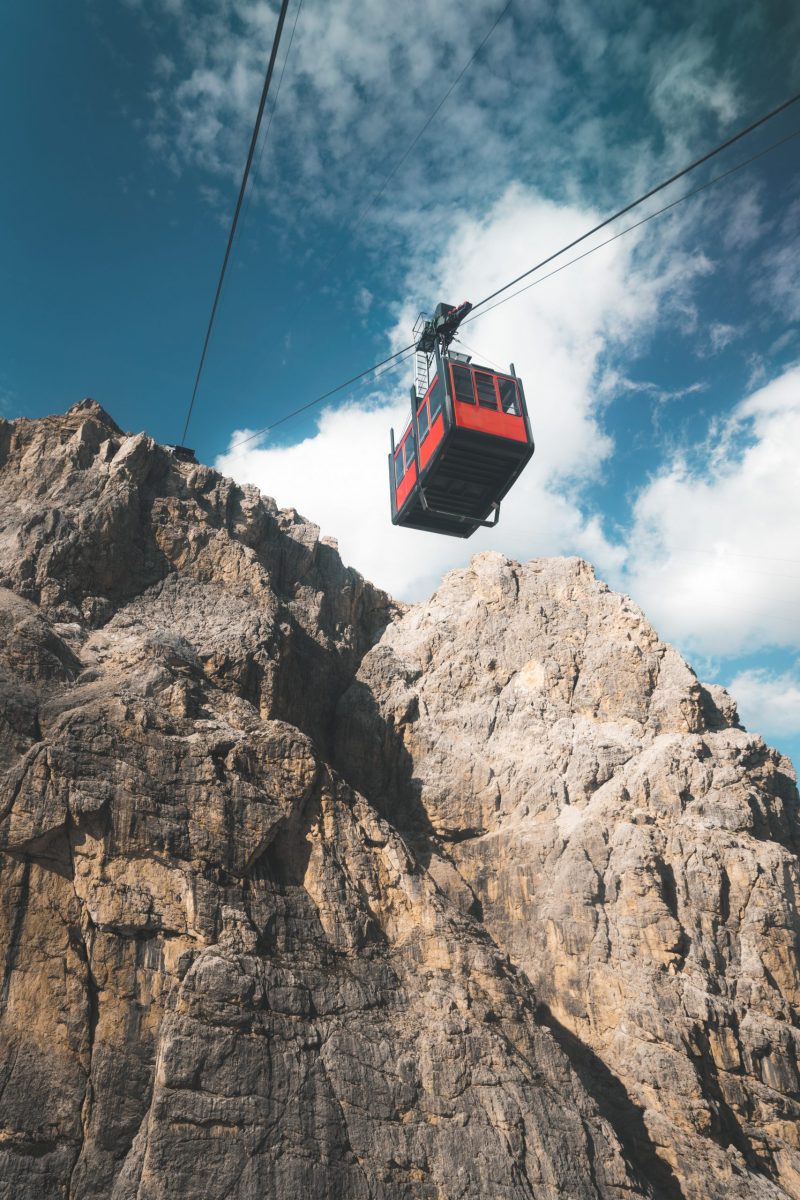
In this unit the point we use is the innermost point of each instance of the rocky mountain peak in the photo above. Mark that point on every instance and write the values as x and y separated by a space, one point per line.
309 893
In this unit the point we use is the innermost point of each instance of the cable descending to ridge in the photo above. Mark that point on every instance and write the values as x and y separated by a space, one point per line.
394 360
273 110
242 188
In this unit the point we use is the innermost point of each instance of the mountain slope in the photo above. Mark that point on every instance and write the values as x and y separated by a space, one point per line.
624 840
308 893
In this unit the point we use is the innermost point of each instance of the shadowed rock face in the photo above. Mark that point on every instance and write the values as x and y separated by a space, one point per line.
304 893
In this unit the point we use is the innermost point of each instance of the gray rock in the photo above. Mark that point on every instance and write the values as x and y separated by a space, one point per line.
305 893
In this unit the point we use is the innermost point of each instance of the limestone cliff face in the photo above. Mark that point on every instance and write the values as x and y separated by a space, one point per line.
563 775
304 893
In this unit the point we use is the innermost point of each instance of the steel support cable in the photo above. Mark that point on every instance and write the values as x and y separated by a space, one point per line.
725 557
478 354
242 188
734 554
396 358
393 359
756 593
630 228
698 162
720 560
272 111
372 201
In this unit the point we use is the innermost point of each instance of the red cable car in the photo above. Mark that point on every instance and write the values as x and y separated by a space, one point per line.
467 441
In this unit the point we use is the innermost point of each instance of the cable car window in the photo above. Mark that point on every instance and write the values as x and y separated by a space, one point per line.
508 396
435 403
462 384
399 468
484 385
409 444
422 422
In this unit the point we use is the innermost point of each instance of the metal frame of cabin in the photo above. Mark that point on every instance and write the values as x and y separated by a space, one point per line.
467 442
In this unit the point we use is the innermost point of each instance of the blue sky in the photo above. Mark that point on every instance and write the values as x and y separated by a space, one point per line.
662 372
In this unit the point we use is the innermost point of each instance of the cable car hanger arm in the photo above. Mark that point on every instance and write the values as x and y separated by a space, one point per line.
442 326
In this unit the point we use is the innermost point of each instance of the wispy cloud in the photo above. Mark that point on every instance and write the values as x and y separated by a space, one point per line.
10 403
164 66
743 219
778 281
363 301
686 85
363 77
613 382
721 335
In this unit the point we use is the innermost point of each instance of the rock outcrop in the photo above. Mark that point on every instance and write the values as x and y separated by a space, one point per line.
563 774
306 893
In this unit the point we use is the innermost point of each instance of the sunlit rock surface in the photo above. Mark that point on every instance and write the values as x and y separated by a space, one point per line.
305 893
565 778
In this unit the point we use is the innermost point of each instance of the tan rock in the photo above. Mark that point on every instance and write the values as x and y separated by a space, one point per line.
625 841
305 893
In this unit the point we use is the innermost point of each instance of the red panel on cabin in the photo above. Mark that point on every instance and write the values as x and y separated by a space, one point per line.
433 439
470 384
486 420
405 486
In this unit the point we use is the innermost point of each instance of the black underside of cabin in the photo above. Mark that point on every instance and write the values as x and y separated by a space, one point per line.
470 474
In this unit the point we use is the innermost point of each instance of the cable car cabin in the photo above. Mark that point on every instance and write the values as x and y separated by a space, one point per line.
468 440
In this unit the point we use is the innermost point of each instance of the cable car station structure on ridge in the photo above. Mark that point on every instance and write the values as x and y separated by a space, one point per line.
468 438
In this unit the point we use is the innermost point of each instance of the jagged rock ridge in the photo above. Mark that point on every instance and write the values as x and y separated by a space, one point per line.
305 893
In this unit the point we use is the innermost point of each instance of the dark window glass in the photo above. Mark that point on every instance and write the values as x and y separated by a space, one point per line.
484 385
409 450
399 468
422 422
435 402
508 396
462 382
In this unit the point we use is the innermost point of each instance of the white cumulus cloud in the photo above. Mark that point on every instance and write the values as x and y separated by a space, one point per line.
714 552
768 702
